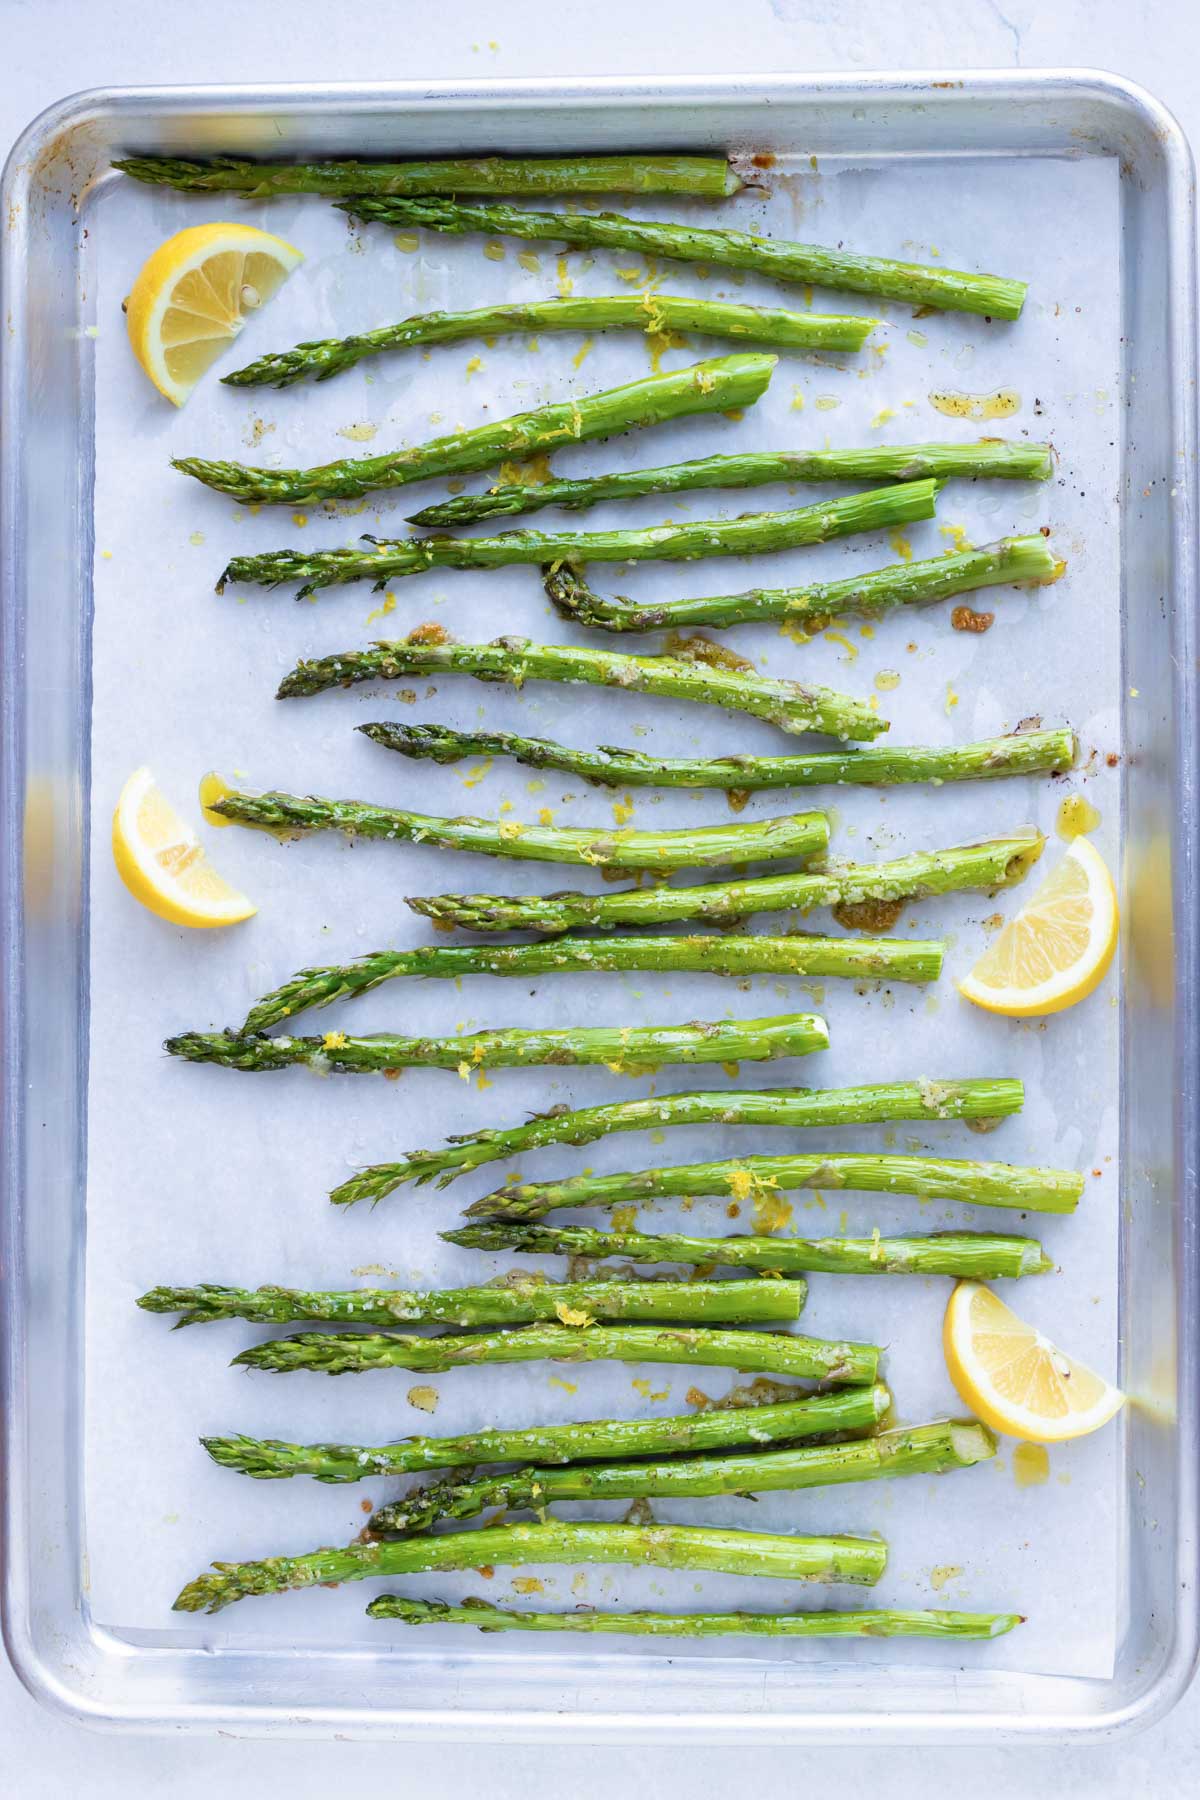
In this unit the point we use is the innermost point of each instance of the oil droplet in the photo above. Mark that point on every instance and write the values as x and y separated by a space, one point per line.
213 787
882 416
1030 1465
493 251
944 1572
1076 817
407 240
826 402
887 679
997 405
529 261
918 338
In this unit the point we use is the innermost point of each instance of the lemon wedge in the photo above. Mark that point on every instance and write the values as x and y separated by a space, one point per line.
163 864
1014 1378
1058 947
193 296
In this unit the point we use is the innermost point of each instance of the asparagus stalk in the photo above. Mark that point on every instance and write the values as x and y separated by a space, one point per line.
826 1559
792 1108
990 459
719 1428
791 705
929 1177
979 867
756 1352
1022 753
916 1450
867 1622
705 177
714 386
1020 559
813 265
862 959
625 1049
518 1303
601 847
389 559
967 1255
655 314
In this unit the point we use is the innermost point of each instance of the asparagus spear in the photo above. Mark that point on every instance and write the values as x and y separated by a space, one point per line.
791 705
718 1428
388 559
930 1177
600 847
519 1303
652 313
793 1108
626 1049
967 1255
708 177
979 867
1020 559
866 1622
811 264
916 1450
757 1352
863 959
715 386
1022 753
990 458
792 1558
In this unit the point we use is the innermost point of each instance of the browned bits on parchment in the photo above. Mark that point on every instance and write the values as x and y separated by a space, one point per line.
871 915
965 618
429 633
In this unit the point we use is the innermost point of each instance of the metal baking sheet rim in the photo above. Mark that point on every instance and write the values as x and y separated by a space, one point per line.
85 1682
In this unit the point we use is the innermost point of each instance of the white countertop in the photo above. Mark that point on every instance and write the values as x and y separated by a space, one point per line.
54 47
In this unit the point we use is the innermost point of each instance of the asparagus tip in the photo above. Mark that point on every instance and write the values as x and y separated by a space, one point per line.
206 1593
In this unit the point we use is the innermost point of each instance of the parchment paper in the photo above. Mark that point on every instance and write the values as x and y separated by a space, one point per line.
203 1174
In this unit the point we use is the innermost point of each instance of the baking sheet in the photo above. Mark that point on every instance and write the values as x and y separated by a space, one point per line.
199 1174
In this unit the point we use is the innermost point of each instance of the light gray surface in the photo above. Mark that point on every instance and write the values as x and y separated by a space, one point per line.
56 49
1056 215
